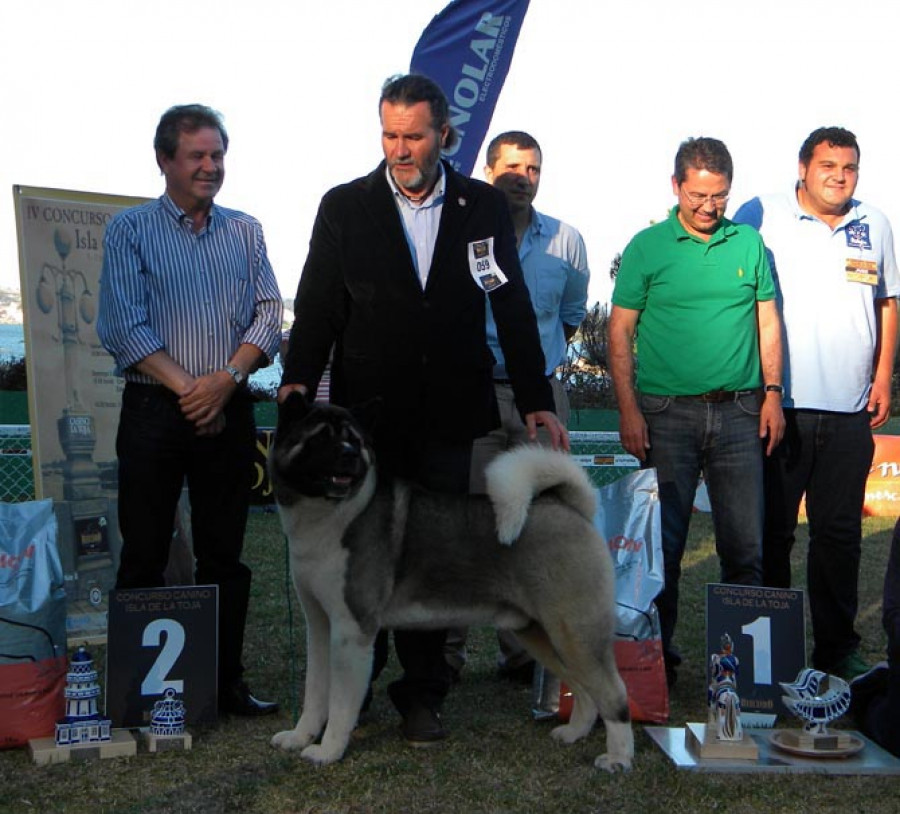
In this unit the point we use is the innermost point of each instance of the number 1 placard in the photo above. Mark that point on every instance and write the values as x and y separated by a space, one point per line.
767 627
160 639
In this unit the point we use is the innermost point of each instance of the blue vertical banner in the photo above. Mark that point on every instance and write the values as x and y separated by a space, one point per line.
467 49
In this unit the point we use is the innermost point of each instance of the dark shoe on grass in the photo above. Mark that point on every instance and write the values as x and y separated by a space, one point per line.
236 699
849 667
422 725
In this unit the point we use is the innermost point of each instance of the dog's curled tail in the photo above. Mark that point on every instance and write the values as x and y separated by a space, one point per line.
515 478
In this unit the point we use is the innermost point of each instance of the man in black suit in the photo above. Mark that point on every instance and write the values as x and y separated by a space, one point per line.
393 291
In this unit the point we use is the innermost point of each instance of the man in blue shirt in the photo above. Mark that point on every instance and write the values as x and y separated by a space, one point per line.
189 307
554 262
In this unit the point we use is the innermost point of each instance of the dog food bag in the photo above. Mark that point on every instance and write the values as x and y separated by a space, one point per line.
628 519
32 623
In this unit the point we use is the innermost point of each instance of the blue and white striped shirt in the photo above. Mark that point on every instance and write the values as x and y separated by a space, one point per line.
196 296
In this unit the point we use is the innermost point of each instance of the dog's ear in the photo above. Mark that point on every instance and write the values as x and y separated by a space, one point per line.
294 408
367 414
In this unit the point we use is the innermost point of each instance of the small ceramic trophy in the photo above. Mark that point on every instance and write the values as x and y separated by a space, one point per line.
84 732
724 714
818 699
167 725
722 736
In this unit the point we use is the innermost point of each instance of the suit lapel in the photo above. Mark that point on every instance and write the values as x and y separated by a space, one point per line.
458 205
378 200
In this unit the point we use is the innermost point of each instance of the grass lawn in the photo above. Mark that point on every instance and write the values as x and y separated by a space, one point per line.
497 759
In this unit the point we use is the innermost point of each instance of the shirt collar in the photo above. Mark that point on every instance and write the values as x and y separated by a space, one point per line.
435 198
538 224
724 230
178 214
853 213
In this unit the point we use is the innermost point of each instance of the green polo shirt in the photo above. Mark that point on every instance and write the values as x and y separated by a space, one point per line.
698 325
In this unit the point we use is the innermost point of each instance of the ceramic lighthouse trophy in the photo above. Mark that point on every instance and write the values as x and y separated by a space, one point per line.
82 724
83 732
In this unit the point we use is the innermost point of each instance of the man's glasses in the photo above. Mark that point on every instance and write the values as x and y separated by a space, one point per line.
698 199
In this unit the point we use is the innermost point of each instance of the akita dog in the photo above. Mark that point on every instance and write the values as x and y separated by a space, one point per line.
370 552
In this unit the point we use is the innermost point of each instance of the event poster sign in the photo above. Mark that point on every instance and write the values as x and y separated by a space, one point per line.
767 628
162 639
73 394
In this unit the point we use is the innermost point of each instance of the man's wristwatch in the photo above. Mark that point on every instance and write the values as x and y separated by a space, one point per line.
775 388
235 374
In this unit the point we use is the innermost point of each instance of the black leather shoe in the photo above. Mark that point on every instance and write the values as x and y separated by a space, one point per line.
422 726
236 699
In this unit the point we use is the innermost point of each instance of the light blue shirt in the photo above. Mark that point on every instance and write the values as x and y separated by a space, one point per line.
196 296
421 222
827 281
554 262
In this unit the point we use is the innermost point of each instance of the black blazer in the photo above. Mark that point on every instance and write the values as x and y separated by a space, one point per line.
424 353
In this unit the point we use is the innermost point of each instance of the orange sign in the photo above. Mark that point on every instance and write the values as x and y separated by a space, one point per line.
883 485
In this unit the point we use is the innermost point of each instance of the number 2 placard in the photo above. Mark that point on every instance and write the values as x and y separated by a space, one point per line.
767 627
160 639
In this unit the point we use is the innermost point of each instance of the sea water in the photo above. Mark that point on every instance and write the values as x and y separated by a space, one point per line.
12 342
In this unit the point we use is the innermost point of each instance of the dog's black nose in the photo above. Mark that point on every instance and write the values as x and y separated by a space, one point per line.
349 454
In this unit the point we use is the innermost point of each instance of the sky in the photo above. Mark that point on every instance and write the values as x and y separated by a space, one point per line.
608 89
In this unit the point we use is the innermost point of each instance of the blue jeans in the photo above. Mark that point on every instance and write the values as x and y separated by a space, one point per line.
827 455
687 437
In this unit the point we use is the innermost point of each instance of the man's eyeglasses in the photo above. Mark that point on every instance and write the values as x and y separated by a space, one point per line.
698 199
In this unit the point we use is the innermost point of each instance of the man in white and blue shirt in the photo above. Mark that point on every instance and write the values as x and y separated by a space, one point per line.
832 258
189 307
554 262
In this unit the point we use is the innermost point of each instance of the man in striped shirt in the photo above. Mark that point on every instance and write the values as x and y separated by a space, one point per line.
189 307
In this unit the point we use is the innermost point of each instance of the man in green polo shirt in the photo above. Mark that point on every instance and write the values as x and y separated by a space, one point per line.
696 292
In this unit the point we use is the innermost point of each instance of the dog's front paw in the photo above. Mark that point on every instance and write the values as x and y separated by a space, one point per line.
291 739
321 755
613 763
567 733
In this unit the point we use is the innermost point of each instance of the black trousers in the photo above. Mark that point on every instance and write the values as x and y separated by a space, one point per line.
158 451
882 718
426 674
827 456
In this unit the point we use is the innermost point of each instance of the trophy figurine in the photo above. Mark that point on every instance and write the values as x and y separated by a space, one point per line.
724 714
722 736
818 699
167 725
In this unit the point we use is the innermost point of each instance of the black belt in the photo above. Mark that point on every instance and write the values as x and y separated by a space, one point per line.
718 396
509 381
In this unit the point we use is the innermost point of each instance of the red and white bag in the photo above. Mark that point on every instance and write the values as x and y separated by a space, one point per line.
32 623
